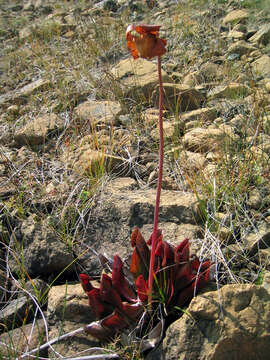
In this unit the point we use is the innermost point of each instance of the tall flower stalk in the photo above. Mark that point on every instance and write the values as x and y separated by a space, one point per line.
145 43
159 183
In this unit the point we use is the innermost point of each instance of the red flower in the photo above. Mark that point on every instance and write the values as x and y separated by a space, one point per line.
146 43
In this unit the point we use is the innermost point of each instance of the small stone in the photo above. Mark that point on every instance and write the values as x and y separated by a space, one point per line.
262 36
231 91
18 96
168 128
68 308
202 115
13 109
20 340
203 140
255 199
241 48
238 35
258 239
85 160
235 16
266 280
36 131
96 112
17 311
261 66
179 97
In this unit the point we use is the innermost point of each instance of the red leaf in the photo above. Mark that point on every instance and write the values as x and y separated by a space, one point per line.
114 321
108 293
198 281
86 284
119 281
141 255
134 235
135 265
132 311
96 303
166 252
182 252
142 289
159 236
183 277
159 249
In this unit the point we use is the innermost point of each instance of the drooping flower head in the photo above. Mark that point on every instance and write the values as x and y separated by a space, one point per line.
143 41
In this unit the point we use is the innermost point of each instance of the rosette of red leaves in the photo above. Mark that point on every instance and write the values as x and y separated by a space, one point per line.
119 304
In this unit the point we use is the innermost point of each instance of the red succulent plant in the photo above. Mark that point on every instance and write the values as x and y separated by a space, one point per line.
120 304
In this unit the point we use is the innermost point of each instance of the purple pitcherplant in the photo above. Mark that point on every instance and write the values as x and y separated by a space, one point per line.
164 274
120 303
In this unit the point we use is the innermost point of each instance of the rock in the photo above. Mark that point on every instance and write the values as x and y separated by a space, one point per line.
255 200
203 140
44 252
17 312
69 302
229 323
261 66
202 115
211 71
190 161
138 76
258 239
7 188
262 36
38 288
241 47
17 342
179 97
237 35
264 257
168 128
266 280
86 161
208 72
192 79
235 16
68 310
96 112
175 234
3 281
122 184
231 91
37 131
18 96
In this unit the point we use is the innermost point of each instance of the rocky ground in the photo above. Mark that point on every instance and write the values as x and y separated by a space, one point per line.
78 166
